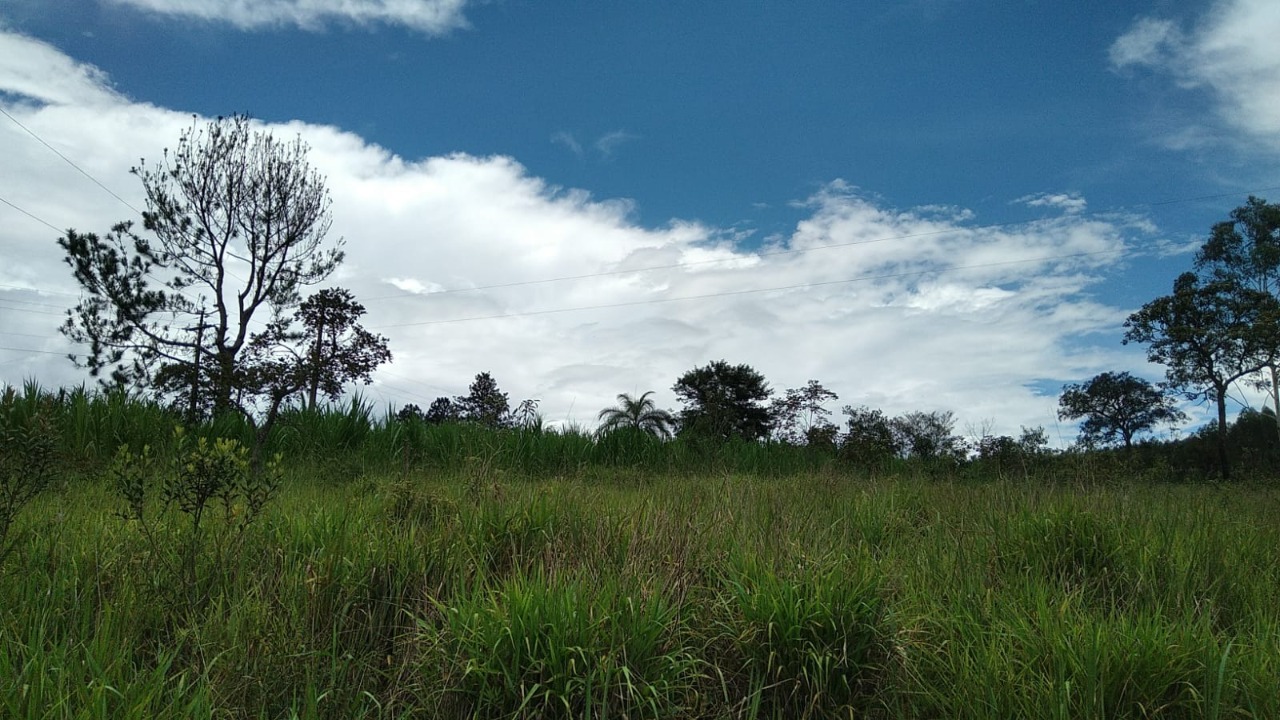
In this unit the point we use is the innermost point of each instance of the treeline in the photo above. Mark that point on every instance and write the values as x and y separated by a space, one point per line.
78 431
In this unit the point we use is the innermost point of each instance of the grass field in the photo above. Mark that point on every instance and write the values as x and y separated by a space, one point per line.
388 584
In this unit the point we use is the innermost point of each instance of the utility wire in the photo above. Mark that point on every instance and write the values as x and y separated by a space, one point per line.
26 310
82 171
30 215
29 350
38 291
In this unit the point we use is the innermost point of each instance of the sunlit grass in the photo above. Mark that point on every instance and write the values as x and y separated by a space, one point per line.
451 572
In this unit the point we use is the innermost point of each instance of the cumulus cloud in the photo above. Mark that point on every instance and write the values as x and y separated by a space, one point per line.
36 72
1232 51
434 17
899 308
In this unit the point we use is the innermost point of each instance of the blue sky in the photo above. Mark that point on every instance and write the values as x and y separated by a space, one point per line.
528 140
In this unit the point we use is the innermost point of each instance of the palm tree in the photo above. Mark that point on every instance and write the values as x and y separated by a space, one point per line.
638 413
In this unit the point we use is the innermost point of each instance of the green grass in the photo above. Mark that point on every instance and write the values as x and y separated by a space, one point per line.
438 595
407 570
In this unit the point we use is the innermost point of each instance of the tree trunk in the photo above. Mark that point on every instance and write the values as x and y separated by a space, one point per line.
1275 399
314 380
1224 463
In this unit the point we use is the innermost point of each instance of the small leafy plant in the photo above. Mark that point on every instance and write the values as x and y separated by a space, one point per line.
202 477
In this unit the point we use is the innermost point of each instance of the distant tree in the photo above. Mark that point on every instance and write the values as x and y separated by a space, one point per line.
443 410
724 401
1006 452
800 416
1116 407
410 413
485 404
1207 335
237 223
640 414
869 439
928 435
338 349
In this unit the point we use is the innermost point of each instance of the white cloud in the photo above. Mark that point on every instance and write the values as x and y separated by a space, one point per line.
608 143
569 141
1232 51
1067 202
1149 42
918 309
40 73
434 17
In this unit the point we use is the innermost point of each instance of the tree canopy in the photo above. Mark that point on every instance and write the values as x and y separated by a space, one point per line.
1115 408
724 401
1208 335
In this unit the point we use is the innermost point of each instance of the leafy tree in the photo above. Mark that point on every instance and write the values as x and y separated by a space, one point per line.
928 435
339 350
1115 407
640 414
410 413
485 404
1006 452
800 417
723 401
443 410
237 223
1207 335
1244 252
870 439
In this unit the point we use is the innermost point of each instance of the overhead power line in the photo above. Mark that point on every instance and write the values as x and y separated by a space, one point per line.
40 220
29 350
68 161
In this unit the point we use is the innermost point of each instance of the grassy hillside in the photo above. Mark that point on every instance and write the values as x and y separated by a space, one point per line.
482 584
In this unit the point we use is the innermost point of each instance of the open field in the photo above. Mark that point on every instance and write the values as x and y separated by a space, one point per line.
454 572
470 594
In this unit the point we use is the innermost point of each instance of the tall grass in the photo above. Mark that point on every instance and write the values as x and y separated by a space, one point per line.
408 570
437 595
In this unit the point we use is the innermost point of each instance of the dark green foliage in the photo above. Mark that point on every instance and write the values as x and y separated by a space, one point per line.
870 439
338 349
1208 335
1009 457
443 410
484 405
928 436
28 442
408 414
1115 408
724 401
1076 552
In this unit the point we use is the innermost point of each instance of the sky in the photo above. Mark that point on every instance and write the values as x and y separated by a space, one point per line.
923 204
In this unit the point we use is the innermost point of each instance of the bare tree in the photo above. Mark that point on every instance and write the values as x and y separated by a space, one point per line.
237 223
